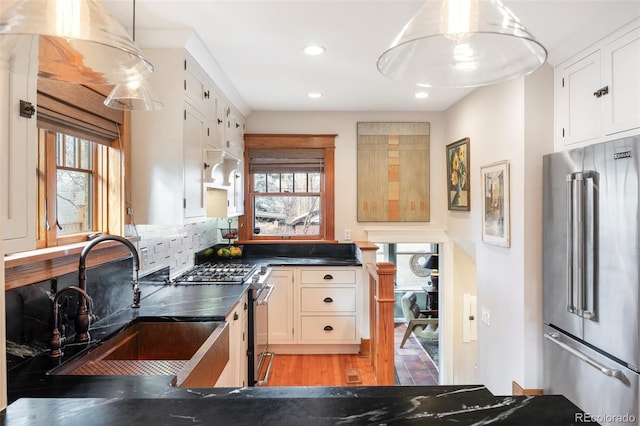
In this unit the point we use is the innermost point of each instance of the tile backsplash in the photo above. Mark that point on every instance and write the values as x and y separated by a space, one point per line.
174 245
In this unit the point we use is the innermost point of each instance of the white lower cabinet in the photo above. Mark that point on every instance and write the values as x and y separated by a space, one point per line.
235 373
315 310
327 329
281 307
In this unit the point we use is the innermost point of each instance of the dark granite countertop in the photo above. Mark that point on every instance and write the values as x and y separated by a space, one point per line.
39 398
301 261
292 254
433 405
179 302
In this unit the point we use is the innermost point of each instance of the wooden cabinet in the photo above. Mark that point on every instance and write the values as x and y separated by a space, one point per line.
18 139
281 309
598 91
167 145
236 372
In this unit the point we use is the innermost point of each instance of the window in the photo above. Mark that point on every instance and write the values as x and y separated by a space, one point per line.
409 259
290 189
80 164
287 203
69 179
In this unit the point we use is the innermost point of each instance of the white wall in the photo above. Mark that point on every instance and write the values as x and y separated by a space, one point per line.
344 125
510 121
459 359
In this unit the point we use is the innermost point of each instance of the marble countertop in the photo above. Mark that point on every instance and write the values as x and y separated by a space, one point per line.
39 398
179 302
407 405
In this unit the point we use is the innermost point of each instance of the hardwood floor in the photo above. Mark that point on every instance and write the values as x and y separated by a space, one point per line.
320 370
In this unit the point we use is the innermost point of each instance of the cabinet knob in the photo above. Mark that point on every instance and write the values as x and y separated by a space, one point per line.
206 94
235 316
219 121
237 125
328 328
206 166
328 300
328 277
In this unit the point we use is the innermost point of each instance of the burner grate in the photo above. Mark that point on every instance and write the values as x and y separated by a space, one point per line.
221 273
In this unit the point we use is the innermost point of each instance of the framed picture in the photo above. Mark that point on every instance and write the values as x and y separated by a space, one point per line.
495 204
457 175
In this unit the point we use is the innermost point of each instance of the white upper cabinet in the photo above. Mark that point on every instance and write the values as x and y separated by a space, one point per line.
598 91
622 75
18 139
578 112
167 146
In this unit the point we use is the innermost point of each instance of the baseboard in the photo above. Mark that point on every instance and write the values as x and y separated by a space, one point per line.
365 348
304 349
518 390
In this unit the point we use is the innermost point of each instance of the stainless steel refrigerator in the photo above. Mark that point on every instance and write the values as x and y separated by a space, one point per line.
591 264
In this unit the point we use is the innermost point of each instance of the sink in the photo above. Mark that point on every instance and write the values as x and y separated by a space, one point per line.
194 352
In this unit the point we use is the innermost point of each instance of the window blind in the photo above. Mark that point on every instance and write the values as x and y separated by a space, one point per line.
262 160
77 110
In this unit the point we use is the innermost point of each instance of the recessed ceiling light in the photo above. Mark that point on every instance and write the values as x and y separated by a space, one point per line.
314 50
421 95
315 95
423 85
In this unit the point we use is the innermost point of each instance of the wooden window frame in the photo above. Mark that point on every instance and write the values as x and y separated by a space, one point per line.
47 192
327 189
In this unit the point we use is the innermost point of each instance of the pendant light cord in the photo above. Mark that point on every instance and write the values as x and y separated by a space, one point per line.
134 21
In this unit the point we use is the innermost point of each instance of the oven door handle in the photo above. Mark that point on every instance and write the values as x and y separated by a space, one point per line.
264 300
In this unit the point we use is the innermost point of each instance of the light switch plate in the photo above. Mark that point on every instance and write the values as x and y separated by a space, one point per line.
347 234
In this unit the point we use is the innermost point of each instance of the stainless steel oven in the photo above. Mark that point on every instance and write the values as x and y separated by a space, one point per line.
262 358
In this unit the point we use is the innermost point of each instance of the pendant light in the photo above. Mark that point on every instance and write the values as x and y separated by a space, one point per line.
79 41
133 95
462 43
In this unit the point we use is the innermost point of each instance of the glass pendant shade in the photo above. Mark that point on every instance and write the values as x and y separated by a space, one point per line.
462 43
80 42
133 96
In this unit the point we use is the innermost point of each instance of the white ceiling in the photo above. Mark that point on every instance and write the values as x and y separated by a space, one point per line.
258 44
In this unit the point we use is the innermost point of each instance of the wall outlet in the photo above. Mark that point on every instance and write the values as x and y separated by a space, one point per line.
485 316
347 234
144 257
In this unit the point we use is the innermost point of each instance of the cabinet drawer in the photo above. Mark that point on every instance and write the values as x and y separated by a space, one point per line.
328 299
328 276
328 328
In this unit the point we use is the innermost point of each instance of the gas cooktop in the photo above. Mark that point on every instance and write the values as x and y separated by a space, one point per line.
217 273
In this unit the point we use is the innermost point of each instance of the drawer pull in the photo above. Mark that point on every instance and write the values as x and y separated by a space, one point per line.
328 300
328 328
328 277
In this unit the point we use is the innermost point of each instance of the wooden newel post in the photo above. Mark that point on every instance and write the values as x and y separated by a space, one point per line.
381 306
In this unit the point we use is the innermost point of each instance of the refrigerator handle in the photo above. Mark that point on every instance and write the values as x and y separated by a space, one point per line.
578 240
618 374
590 219
570 209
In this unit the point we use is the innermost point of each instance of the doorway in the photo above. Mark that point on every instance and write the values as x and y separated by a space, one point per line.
418 361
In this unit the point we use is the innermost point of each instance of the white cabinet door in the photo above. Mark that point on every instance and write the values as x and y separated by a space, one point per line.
194 202
235 373
578 110
281 307
235 194
18 141
220 107
621 74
